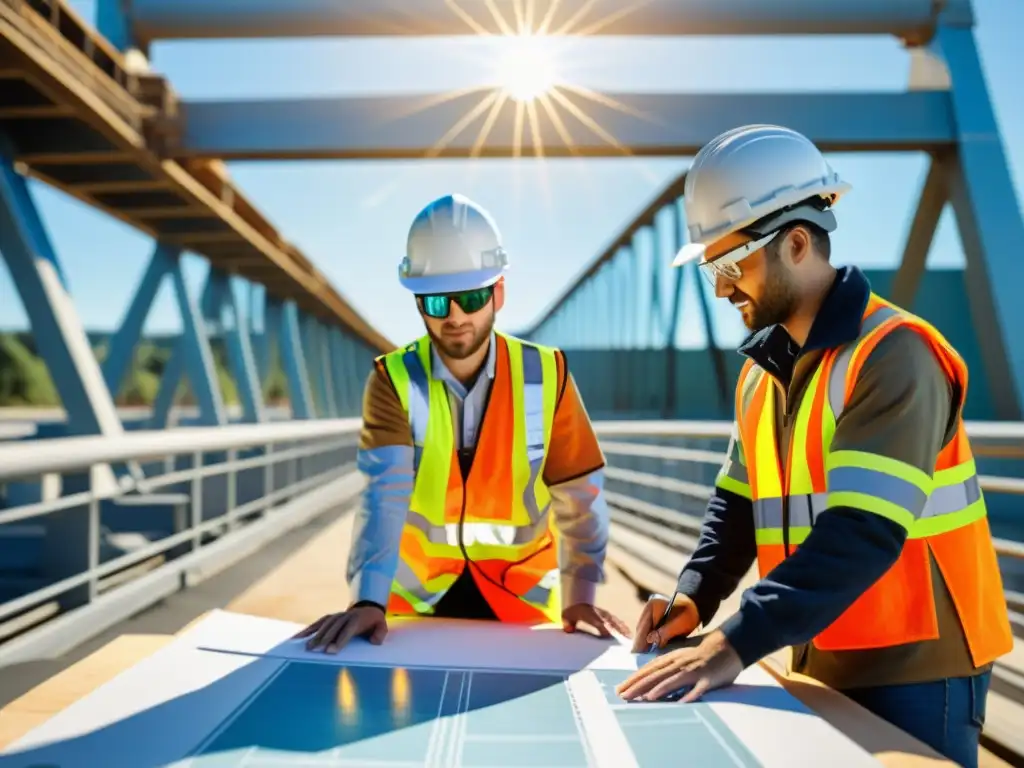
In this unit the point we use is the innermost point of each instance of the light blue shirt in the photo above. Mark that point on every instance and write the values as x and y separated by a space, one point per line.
467 406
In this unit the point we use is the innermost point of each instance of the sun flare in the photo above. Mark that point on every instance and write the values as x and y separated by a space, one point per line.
526 67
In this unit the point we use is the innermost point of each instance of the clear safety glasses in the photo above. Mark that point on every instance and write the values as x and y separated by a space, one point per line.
727 266
439 306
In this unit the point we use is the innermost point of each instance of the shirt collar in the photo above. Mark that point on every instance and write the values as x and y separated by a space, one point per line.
439 371
838 322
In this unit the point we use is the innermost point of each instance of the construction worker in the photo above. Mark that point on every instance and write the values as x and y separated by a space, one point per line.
484 496
849 476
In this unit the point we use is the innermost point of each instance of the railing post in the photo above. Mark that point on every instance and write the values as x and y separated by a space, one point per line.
94 533
231 480
268 478
197 499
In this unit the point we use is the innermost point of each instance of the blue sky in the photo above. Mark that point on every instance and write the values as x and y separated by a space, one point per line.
351 218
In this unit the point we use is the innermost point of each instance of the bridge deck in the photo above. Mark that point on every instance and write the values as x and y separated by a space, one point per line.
298 578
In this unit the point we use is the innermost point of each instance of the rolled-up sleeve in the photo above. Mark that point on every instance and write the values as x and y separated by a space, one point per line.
574 474
385 458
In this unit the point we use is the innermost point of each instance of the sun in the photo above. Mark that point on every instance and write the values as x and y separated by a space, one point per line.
526 67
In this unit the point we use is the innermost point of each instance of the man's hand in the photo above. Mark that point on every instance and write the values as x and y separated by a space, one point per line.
682 620
598 618
712 664
335 629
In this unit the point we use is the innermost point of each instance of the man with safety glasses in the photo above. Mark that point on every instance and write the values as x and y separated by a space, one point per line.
484 495
849 478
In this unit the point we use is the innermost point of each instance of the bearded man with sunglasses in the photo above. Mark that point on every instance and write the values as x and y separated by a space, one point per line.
484 495
849 478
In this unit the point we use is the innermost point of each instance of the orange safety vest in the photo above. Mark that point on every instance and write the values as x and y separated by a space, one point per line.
944 514
495 521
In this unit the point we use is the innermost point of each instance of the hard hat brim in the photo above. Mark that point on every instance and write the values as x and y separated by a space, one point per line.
689 252
452 283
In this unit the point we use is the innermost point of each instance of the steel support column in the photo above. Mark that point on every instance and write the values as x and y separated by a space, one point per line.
934 196
988 216
723 387
238 339
326 373
121 349
294 363
192 356
59 336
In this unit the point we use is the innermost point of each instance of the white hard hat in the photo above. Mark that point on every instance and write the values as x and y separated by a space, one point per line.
453 245
756 178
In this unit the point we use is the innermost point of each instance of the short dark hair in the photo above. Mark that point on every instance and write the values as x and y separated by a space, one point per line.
819 239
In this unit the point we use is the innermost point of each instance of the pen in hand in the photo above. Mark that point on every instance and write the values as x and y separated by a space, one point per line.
663 619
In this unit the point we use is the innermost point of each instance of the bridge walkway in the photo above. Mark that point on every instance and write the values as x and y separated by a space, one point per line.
300 576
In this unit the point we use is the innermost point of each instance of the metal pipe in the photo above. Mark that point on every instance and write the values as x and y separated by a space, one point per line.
166 19
29 459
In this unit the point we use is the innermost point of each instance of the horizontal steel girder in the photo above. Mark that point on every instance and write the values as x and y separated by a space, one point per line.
482 124
165 19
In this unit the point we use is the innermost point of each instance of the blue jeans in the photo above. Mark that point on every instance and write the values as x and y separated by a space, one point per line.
947 715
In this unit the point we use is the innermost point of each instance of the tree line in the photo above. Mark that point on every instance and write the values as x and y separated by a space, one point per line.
25 380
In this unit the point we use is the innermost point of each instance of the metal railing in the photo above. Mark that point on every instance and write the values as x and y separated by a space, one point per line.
114 525
660 475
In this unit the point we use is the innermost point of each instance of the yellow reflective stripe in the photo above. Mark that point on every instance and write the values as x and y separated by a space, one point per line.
873 504
767 536
768 481
729 483
549 366
799 470
933 526
430 489
955 475
418 605
549 391
518 458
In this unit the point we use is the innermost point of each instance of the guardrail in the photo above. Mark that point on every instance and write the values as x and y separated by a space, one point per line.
661 473
124 522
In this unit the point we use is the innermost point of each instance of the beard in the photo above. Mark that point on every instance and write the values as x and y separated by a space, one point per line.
465 345
777 303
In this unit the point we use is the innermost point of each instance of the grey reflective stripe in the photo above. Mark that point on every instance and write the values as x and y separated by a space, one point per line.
803 511
440 534
903 494
537 595
419 396
405 576
746 389
950 499
533 402
841 367
433 534
529 493
737 471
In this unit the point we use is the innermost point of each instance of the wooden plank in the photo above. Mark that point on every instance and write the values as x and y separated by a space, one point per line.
65 688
